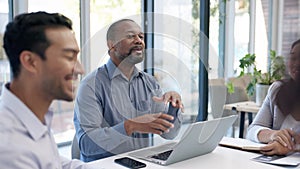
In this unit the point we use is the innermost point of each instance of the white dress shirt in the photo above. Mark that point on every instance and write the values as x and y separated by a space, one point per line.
26 142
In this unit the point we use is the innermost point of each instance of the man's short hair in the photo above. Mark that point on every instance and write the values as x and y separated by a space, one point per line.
110 35
27 32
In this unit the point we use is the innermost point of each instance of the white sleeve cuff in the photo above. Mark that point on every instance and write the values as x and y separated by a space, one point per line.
253 133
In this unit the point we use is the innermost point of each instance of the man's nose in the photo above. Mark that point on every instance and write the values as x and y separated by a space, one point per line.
138 39
78 68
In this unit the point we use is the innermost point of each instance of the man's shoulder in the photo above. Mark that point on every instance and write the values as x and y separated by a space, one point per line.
10 127
7 118
147 75
99 72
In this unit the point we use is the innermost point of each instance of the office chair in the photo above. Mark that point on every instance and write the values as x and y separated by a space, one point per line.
75 151
217 96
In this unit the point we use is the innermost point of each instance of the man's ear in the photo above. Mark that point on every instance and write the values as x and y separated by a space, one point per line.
29 61
110 44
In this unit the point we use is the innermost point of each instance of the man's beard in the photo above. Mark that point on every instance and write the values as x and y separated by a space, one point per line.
130 58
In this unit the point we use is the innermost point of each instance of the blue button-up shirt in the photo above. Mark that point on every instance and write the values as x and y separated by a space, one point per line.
106 98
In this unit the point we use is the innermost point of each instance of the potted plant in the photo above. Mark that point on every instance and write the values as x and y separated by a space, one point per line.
259 80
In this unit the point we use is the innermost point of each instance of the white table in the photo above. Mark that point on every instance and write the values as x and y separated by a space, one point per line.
221 157
248 107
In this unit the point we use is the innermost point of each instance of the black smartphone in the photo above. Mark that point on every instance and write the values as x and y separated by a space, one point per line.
130 163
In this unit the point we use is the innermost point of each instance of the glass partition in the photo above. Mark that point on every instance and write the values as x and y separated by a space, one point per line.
176 54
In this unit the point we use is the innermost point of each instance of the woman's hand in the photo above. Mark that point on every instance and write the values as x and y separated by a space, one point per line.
275 148
285 137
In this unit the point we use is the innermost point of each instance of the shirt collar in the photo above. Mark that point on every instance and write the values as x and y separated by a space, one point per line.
34 126
113 71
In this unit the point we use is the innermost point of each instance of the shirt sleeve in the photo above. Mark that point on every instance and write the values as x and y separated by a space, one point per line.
74 164
265 116
11 159
94 138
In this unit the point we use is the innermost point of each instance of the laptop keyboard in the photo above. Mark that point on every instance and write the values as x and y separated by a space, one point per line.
163 156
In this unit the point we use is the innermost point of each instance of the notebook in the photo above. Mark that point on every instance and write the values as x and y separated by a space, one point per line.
200 138
242 144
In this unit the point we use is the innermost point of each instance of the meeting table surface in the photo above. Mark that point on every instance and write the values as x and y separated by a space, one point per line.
221 157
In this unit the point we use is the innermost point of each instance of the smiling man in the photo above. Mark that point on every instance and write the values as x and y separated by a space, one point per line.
42 51
114 110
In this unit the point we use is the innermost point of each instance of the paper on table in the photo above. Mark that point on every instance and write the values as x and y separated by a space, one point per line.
290 160
242 144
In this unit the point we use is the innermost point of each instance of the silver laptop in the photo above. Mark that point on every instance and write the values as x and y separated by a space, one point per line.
200 138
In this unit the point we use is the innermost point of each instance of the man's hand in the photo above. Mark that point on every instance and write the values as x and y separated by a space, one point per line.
173 97
149 123
275 148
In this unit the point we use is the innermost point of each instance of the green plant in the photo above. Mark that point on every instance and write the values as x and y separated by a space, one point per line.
275 72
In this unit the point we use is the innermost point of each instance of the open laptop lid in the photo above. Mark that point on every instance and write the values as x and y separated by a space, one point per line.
200 138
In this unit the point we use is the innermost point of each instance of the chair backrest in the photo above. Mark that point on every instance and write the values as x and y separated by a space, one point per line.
75 151
240 94
217 96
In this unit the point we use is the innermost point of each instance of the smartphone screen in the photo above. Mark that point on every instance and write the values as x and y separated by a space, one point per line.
130 163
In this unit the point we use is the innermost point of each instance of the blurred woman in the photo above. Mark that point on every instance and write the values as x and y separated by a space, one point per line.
278 121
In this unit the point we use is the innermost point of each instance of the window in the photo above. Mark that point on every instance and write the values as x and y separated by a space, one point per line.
216 68
290 25
176 49
4 64
252 27
102 14
262 34
241 32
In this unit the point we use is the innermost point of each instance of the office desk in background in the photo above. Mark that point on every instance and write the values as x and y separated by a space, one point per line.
221 157
248 107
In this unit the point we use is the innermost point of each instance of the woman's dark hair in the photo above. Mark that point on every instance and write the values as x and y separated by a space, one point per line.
27 32
288 95
295 43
